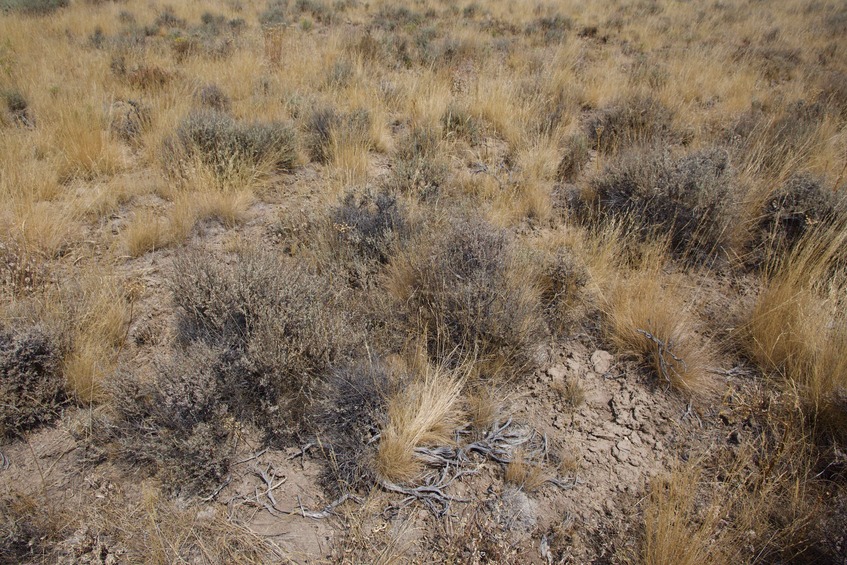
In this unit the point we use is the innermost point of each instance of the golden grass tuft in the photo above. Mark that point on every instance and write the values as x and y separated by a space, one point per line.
86 146
648 317
427 412
798 327
673 532
94 316
146 232
524 473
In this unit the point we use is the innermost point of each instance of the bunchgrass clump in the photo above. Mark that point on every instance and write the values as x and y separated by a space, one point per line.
798 330
647 317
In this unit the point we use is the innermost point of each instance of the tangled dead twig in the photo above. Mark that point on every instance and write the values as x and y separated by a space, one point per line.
431 493
662 349
499 444
267 500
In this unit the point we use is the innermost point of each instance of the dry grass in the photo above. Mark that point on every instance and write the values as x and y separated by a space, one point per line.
517 178
94 314
427 412
648 318
524 473
674 532
797 327
146 232
759 504
85 145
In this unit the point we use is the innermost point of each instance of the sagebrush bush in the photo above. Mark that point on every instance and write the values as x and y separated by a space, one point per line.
419 167
227 146
634 121
257 339
690 198
212 97
347 421
370 225
458 288
275 15
33 7
278 328
800 204
173 426
31 384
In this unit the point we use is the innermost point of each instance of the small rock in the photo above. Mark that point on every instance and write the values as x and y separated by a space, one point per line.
602 361
557 372
625 444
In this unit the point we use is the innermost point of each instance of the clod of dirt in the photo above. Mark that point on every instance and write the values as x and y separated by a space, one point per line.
601 361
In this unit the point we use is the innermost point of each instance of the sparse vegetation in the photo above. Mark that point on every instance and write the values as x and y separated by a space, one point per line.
347 281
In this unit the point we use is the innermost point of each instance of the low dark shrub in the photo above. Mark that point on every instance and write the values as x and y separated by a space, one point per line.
419 166
128 119
347 422
458 287
550 29
798 205
563 276
33 7
390 18
278 327
212 97
30 381
173 427
321 11
168 19
150 78
220 142
639 120
257 339
369 226
275 15
690 199
18 108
